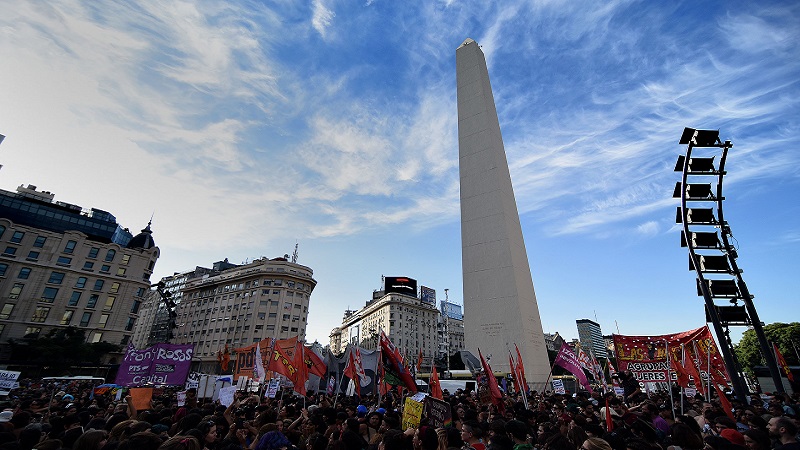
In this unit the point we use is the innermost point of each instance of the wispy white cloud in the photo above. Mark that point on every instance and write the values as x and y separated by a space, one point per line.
322 17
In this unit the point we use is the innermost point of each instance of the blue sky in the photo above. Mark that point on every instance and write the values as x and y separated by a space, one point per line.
248 126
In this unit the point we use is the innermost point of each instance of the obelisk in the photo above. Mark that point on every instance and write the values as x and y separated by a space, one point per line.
500 307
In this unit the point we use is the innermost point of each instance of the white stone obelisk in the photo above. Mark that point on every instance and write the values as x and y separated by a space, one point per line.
500 307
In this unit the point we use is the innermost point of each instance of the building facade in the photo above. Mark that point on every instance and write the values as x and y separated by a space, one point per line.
241 305
450 329
591 338
407 320
62 266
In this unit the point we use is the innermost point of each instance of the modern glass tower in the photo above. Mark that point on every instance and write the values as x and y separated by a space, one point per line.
500 307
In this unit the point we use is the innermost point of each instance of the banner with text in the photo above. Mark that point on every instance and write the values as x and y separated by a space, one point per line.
160 365
646 356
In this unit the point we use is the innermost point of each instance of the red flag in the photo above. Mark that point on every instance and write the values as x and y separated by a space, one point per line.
494 389
782 363
316 365
354 369
676 364
419 361
515 372
436 387
723 400
521 370
692 369
394 371
226 359
282 364
609 420
301 376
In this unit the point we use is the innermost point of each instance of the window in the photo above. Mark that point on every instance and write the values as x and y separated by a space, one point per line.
64 261
114 288
125 260
109 303
56 278
105 268
67 317
110 255
81 283
49 294
70 247
2 230
3 268
16 289
93 252
40 314
33 255
124 341
24 273
129 325
135 307
140 292
92 301
39 242
96 337
98 285
121 272
10 251
5 313
74 299
17 237
87 316
103 320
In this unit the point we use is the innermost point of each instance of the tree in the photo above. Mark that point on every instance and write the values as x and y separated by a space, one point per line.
785 335
60 348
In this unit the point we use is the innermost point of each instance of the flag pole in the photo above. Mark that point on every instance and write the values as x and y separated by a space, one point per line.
339 384
669 379
378 379
683 390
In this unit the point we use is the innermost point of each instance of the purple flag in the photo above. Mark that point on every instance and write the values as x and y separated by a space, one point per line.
569 361
160 365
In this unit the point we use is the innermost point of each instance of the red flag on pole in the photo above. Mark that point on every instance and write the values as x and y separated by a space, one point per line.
695 373
302 368
723 400
676 363
609 420
436 387
226 359
782 363
394 371
354 369
494 388
515 372
279 362
419 361
521 370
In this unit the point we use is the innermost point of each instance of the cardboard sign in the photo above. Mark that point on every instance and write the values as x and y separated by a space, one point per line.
412 413
8 379
226 395
140 397
438 412
558 387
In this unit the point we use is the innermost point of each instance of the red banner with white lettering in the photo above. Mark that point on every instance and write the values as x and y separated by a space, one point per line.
646 356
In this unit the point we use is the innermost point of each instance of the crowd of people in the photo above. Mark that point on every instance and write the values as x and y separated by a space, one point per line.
51 417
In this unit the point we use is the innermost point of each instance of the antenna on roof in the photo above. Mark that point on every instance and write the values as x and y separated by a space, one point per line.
294 255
